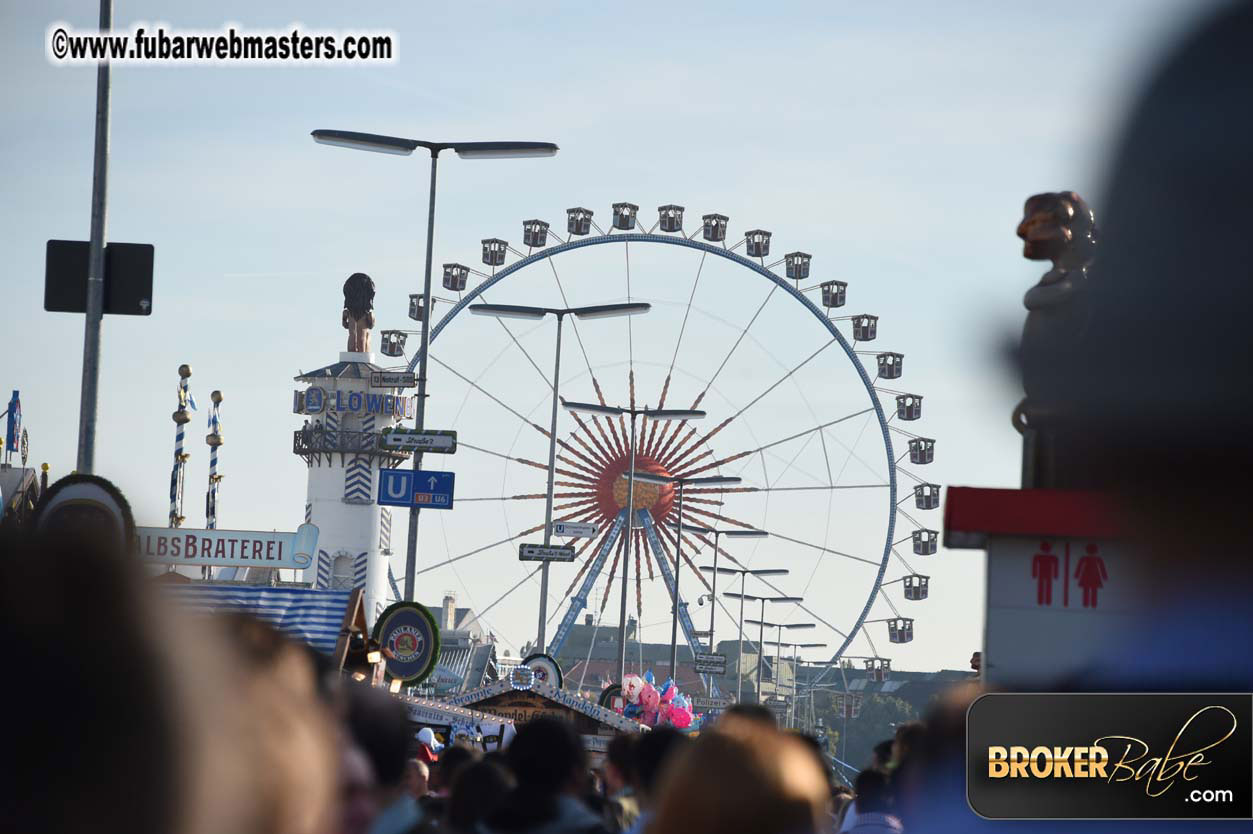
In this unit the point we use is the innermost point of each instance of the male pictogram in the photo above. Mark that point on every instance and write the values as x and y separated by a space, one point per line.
1091 575
1044 571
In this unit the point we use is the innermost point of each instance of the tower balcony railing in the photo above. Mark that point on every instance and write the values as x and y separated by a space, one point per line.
316 440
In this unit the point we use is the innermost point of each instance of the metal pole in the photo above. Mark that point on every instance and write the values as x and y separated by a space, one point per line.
761 635
95 264
411 553
739 652
674 602
622 622
778 657
713 596
540 641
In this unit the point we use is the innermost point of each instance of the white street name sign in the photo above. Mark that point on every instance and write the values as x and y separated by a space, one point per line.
545 553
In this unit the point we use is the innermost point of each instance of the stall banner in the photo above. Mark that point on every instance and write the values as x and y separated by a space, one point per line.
228 548
409 639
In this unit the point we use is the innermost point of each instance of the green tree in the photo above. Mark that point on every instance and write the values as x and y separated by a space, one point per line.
853 740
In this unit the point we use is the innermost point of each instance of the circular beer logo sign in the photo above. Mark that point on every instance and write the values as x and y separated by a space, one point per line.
409 640
546 669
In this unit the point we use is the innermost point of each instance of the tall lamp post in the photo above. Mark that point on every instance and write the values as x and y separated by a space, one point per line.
513 311
679 484
795 661
762 626
741 596
404 147
652 414
734 533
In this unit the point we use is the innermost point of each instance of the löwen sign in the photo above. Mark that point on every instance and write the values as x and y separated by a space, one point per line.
228 548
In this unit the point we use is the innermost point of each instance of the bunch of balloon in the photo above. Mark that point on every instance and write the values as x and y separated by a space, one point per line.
658 707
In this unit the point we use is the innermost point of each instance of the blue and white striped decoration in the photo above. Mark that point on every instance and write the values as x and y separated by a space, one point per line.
358 479
324 570
308 513
385 530
358 570
176 474
310 616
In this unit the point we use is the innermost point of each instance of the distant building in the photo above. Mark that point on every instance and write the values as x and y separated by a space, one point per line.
467 654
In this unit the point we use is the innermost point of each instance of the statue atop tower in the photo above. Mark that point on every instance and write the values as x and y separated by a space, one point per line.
358 317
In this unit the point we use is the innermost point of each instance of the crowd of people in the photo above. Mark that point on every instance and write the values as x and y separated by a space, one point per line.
741 774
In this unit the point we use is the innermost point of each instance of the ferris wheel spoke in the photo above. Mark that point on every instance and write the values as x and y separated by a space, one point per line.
740 338
618 443
678 427
718 516
501 598
583 502
605 454
587 563
822 549
907 565
576 465
547 382
525 462
652 429
686 558
489 395
639 580
680 456
598 454
477 550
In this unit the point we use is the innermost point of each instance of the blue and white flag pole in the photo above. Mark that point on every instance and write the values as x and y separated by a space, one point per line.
180 417
214 440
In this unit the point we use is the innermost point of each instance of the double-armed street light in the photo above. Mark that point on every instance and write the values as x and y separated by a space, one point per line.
733 533
679 483
741 596
795 664
514 311
403 147
762 625
652 414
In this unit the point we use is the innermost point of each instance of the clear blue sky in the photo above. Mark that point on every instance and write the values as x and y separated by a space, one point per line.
894 141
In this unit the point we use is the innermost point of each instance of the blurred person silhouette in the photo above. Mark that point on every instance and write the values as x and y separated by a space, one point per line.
745 778
478 789
751 712
379 725
874 804
155 694
655 752
622 807
881 755
417 778
358 792
452 760
882 759
548 760
1165 430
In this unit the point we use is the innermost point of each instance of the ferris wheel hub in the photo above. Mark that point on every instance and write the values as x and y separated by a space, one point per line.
612 488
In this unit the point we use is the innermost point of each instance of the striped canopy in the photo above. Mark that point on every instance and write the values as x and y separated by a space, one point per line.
304 614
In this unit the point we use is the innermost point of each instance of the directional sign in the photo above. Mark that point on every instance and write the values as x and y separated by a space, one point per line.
574 530
392 379
440 442
421 488
545 553
704 703
711 664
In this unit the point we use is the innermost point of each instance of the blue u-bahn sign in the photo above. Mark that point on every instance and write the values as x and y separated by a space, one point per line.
422 488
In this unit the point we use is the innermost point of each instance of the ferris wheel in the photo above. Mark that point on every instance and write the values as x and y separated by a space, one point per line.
799 405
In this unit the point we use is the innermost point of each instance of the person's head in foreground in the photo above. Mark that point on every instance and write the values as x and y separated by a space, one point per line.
744 777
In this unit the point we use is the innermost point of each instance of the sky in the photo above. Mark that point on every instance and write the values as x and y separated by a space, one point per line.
895 142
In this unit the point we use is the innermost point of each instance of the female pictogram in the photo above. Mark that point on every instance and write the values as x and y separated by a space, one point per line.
1044 571
1091 575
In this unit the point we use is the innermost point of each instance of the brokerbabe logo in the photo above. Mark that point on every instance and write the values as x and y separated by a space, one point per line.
1137 756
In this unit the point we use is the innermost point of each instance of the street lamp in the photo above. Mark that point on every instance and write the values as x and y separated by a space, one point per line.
762 625
713 591
679 483
514 311
404 147
652 414
795 681
741 596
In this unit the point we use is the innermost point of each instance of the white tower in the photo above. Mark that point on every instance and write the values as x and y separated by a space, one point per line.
341 442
